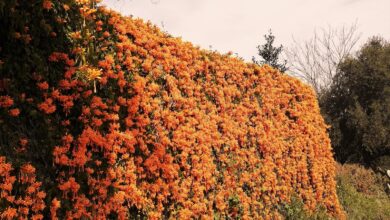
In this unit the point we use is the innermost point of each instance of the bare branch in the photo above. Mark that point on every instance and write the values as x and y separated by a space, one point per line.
316 59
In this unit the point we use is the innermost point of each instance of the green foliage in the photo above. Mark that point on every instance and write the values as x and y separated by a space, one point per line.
295 211
358 105
235 208
270 55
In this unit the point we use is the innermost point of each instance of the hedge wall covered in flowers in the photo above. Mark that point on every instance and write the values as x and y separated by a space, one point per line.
105 116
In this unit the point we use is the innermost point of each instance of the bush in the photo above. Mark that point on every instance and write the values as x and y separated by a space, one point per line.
361 193
364 180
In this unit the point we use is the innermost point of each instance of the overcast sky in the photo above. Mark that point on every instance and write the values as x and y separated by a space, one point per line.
239 25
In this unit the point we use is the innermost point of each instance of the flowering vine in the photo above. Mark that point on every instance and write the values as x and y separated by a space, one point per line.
145 125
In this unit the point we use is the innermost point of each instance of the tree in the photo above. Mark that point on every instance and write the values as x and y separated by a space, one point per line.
269 54
357 106
315 61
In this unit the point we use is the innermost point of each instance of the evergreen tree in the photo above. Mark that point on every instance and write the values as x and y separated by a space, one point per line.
269 54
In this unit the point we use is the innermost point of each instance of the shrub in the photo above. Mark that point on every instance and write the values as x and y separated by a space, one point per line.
364 180
361 193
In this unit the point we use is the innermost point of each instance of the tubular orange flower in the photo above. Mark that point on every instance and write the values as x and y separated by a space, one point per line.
47 4
6 101
14 112
47 106
43 85
9 213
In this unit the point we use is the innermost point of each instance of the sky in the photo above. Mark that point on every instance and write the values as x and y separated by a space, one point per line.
240 25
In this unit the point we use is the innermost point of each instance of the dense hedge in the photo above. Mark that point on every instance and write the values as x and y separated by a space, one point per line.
105 116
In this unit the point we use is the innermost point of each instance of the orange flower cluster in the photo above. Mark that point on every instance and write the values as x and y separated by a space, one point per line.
90 73
47 4
47 106
173 131
26 205
14 112
6 101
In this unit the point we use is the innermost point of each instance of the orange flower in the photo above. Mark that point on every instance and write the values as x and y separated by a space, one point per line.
37 217
56 203
6 101
27 169
47 106
14 112
66 7
106 34
41 194
17 35
47 4
43 85
9 213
